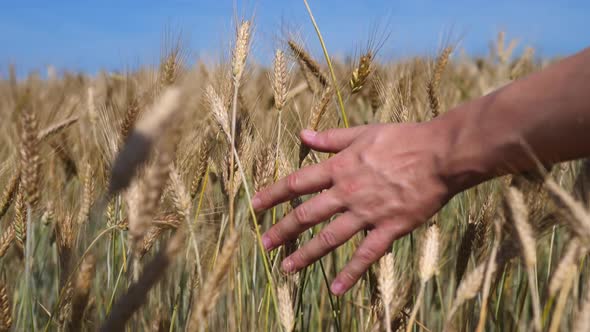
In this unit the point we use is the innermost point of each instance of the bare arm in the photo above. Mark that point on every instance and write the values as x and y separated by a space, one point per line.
549 110
392 178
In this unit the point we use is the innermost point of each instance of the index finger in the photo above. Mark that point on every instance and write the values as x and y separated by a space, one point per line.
305 181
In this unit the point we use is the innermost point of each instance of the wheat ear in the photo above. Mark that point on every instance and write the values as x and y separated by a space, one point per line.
361 73
386 285
428 267
137 148
307 61
287 316
5 309
434 83
9 193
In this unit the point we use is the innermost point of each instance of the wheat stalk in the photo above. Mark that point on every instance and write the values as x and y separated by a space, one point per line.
490 269
582 321
81 292
137 293
520 215
211 289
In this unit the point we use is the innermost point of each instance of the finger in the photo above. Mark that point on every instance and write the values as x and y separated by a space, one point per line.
306 215
307 180
372 248
331 140
328 239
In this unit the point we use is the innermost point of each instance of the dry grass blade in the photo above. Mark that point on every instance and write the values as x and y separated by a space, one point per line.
137 293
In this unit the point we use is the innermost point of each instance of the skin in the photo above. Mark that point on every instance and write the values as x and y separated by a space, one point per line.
391 178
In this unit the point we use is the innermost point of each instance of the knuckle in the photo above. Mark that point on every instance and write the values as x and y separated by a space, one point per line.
328 239
292 180
366 255
264 196
347 277
349 187
366 157
300 258
300 214
275 235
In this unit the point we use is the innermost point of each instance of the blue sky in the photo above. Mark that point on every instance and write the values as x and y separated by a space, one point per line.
90 35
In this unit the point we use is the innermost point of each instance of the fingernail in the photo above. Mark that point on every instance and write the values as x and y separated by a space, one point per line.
287 265
256 202
337 287
266 242
309 134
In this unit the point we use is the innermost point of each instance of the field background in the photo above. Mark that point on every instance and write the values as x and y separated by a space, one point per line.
89 238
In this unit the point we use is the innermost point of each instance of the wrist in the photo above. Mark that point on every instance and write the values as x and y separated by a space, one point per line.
477 146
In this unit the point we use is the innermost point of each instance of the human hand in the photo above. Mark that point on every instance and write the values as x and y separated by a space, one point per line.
388 179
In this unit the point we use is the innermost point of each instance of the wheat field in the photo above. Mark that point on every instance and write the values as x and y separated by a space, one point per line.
125 201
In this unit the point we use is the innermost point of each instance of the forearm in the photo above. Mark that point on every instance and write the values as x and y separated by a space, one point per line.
547 112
